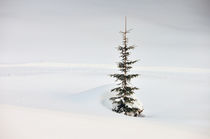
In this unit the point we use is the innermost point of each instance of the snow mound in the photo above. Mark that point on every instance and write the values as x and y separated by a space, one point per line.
23 123
93 101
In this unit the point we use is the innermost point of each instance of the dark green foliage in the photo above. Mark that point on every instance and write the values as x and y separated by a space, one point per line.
123 99
124 77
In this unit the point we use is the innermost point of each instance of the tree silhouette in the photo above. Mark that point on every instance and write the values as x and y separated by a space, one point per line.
124 100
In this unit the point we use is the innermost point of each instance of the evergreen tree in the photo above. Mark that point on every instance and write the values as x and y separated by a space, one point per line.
124 100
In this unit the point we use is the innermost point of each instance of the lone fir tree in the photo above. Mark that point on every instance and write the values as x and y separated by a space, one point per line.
124 100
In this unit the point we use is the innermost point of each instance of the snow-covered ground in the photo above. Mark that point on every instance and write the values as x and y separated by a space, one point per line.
174 103
55 58
24 123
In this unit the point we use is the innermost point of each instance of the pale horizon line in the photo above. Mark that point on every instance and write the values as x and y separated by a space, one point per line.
107 66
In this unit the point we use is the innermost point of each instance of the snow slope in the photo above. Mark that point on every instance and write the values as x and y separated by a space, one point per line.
24 123
175 99
167 32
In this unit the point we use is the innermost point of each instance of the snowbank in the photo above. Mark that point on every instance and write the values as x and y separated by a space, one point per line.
24 123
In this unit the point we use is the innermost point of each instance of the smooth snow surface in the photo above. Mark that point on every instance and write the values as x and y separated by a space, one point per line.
174 103
24 123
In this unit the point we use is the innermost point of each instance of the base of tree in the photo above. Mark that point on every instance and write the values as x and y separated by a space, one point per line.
137 113
134 109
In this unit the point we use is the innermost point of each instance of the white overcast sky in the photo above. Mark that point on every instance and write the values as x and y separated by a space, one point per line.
167 32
